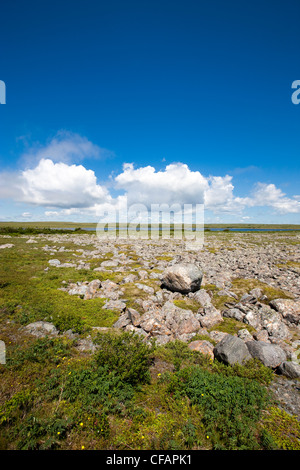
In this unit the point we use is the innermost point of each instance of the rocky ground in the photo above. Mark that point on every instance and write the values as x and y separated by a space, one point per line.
246 282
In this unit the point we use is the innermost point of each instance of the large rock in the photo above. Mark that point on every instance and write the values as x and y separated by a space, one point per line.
271 355
231 350
182 278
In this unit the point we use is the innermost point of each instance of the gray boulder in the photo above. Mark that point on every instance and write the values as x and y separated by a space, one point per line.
271 355
41 329
231 350
290 369
182 278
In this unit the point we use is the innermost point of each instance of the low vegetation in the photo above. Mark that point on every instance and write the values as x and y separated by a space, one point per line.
127 395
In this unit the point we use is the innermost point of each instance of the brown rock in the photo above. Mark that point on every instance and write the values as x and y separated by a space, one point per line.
204 347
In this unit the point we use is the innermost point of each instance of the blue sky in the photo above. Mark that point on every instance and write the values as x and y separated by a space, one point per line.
149 101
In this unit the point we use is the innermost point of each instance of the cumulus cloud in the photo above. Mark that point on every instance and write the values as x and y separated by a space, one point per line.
269 195
52 184
61 185
176 184
66 189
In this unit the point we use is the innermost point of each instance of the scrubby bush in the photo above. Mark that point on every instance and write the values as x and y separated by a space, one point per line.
125 354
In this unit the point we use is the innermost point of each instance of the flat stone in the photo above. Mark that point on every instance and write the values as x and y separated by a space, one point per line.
115 305
123 321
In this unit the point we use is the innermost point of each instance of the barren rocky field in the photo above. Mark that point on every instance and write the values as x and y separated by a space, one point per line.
230 309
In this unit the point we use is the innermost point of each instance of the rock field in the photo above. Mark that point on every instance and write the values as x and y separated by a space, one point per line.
164 292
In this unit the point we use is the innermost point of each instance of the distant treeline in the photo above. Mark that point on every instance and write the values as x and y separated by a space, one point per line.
36 230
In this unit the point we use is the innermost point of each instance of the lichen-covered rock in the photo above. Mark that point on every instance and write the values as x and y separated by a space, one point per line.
210 317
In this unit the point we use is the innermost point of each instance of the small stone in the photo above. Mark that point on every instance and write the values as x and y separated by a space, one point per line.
54 262
244 335
147 289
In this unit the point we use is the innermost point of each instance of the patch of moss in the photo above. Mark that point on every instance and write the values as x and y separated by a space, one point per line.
232 326
187 304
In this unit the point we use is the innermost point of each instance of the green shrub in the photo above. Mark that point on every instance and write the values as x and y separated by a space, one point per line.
178 353
68 321
230 406
40 350
252 369
42 433
125 354
94 386
21 400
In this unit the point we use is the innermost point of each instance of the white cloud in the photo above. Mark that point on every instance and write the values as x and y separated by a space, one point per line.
269 195
61 185
66 189
176 184
52 184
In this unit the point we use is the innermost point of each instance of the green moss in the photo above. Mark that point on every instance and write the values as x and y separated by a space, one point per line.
187 304
232 326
